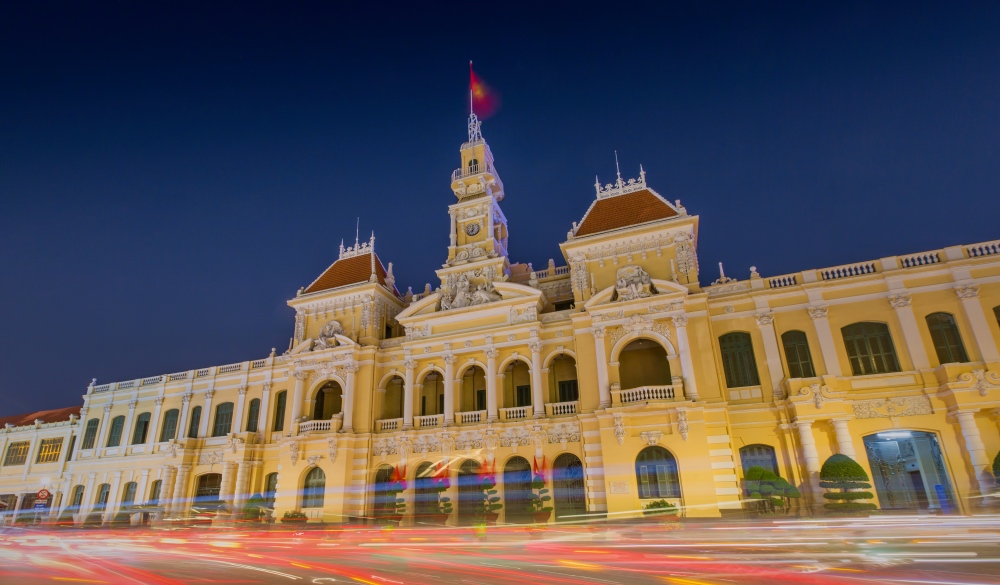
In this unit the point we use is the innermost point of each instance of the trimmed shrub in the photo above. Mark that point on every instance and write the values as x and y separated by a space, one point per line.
996 468
842 473
772 490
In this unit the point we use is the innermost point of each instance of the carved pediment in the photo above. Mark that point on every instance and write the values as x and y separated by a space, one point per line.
665 292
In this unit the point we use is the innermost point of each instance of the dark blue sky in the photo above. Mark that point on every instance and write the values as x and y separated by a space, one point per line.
171 174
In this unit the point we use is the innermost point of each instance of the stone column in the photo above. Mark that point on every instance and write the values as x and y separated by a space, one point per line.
969 293
88 495
182 430
451 213
167 488
114 496
206 416
765 321
265 403
492 413
408 394
105 430
240 493
537 398
178 505
298 394
977 451
226 487
154 423
845 444
603 384
240 402
687 363
140 489
449 390
348 402
127 433
908 323
811 457
825 336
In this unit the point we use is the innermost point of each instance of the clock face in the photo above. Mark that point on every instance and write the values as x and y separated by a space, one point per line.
472 229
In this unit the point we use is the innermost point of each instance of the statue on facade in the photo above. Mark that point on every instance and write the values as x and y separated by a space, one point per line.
632 282
328 335
460 294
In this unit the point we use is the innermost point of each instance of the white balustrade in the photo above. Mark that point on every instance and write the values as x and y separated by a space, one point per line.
151 380
783 281
177 376
430 420
847 270
201 373
314 426
230 368
921 259
515 412
102 388
470 170
983 249
477 416
391 424
563 408
125 385
256 364
645 393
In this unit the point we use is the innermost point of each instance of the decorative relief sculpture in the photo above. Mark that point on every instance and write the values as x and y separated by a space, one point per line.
234 443
967 291
565 433
620 428
817 392
984 380
632 282
210 459
413 332
764 319
312 460
637 324
385 447
900 300
651 437
892 407
525 316
293 451
817 312
327 335
599 317
426 444
682 424
515 436
467 440
687 259
332 444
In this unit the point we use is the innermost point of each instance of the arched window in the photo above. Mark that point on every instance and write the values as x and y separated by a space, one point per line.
154 492
425 497
195 422
738 360
169 425
270 486
392 399
947 341
77 500
517 490
128 494
253 415
473 164
385 499
314 488
279 411
759 456
470 491
115 437
209 486
870 348
431 395
517 384
90 435
656 474
800 364
102 496
643 362
223 419
563 379
329 401
141 429
473 390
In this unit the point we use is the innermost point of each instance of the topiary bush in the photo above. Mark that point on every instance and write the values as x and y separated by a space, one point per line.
996 468
842 473
771 490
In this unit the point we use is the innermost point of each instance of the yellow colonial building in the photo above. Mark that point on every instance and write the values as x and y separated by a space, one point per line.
614 369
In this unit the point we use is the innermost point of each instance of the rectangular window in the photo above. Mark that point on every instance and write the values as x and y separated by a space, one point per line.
141 429
195 422
279 412
423 406
17 453
223 419
738 360
72 443
154 492
523 395
90 436
49 450
480 399
169 425
568 391
117 426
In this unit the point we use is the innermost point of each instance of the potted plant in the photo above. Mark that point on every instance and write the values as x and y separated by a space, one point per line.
540 511
294 517
660 511
490 505
842 473
444 508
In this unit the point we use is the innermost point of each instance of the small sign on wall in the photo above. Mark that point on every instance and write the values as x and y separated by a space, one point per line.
619 487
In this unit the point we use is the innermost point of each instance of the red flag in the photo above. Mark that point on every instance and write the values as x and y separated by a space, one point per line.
399 476
485 101
539 468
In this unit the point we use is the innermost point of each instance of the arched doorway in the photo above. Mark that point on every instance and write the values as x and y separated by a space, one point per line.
908 471
209 486
328 401
384 503
643 362
473 390
392 399
425 497
517 490
563 379
516 385
569 494
470 493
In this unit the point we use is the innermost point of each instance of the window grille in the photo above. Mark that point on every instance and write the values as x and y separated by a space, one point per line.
17 453
49 450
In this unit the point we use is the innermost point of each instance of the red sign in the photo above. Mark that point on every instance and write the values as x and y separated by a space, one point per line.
43 494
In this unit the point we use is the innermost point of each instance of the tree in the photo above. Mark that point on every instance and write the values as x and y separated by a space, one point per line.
842 473
771 490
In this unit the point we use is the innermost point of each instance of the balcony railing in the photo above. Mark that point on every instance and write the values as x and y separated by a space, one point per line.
320 426
643 394
390 424
476 416
471 170
515 413
562 408
428 421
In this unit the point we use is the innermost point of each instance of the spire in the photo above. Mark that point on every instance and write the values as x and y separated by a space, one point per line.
618 171
371 246
357 230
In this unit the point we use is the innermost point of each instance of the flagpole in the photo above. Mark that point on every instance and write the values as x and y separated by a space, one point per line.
470 88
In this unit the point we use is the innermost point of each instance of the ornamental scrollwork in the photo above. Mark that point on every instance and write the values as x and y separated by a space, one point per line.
514 437
891 407
620 428
967 291
817 312
899 301
332 445
983 380
564 433
764 319
682 424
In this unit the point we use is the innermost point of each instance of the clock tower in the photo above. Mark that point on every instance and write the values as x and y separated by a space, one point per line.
477 254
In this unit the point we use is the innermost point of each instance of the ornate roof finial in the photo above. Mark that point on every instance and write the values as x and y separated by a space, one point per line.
618 171
357 230
642 174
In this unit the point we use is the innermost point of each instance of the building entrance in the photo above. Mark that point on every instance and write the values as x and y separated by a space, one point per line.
908 471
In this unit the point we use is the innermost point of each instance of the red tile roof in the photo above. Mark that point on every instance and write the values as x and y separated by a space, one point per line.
354 270
623 211
49 416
